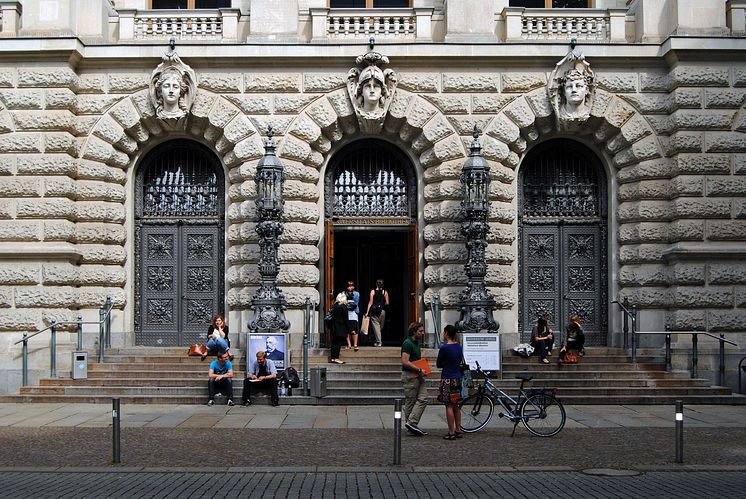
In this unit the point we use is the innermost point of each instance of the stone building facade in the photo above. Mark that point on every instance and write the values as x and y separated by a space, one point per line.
646 187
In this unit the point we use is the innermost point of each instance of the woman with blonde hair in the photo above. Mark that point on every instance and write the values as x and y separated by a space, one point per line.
339 327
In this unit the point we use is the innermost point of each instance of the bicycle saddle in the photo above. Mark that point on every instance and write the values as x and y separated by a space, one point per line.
524 377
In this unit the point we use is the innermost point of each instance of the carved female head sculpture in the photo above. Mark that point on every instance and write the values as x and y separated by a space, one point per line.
371 89
170 91
575 93
173 86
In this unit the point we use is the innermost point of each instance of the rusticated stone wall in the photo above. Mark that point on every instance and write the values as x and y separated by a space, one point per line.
673 143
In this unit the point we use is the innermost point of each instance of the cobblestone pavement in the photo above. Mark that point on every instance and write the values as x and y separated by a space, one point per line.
407 484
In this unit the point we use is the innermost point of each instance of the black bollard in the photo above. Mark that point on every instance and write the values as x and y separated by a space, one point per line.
397 431
679 431
116 433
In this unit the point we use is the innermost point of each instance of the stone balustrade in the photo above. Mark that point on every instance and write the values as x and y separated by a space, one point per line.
736 16
10 18
382 24
602 25
203 24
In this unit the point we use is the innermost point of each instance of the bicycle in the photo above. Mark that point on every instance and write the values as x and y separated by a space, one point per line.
540 411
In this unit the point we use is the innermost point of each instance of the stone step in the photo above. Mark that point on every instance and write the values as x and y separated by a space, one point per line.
594 391
375 400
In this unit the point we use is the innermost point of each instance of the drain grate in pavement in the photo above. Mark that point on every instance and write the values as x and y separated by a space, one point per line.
610 472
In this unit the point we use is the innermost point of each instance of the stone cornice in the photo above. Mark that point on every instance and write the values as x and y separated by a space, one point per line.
40 251
705 251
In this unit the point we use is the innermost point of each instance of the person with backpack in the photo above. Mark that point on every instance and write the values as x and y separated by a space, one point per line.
377 303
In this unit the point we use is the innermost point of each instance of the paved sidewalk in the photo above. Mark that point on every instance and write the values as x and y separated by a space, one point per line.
372 484
261 415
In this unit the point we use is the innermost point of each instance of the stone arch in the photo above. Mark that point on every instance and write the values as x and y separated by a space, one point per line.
618 132
412 123
119 136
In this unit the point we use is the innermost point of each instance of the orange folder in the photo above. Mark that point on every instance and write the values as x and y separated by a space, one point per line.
422 364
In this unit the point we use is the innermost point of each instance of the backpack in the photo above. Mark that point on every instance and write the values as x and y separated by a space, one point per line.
569 357
291 375
524 350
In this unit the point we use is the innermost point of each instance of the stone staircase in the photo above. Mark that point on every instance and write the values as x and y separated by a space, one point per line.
372 376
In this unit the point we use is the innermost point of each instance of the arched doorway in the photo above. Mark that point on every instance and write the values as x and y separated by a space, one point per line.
179 244
371 229
563 239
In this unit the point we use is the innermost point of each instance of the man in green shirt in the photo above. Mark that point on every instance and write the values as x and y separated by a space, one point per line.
413 379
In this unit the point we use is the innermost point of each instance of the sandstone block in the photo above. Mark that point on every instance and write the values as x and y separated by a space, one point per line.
470 82
445 253
445 274
246 150
6 297
127 83
700 120
43 120
701 208
238 129
21 143
301 191
46 208
499 275
739 164
22 99
19 187
102 275
442 232
103 254
725 142
685 142
292 104
56 77
503 130
220 82
643 275
643 232
726 230
687 230
324 82
739 208
644 211
651 103
540 105
261 82
701 164
726 186
618 113
687 273
520 112
60 273
300 233
95 104
100 233
6 77
305 129
449 148
18 320
61 98
7 209
648 297
437 129
646 189
726 320
491 103
91 170
323 113
19 273
449 104
99 211
689 76
58 230
643 253
419 82
726 273
617 82
280 124
522 82
295 149
601 103
687 185
46 297
250 104
724 98
687 320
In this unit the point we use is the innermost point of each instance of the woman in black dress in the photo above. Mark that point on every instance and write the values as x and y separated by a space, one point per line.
339 327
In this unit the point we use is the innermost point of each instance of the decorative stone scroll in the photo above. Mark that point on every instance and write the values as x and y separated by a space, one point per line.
173 86
371 89
571 90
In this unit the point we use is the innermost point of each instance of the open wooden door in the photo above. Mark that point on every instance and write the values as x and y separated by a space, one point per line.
412 271
329 267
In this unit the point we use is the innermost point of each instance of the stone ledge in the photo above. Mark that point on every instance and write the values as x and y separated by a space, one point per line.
705 251
57 251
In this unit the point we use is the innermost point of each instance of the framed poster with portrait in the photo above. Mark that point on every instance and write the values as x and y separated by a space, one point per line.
274 344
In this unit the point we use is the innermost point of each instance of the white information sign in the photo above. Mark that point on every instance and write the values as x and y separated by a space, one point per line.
483 348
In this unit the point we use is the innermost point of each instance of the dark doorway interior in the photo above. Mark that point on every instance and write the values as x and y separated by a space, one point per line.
367 254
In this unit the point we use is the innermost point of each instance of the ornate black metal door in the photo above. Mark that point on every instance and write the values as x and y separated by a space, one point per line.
562 264
179 234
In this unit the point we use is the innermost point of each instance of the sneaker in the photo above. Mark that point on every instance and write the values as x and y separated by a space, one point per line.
275 403
230 403
210 403
414 429
246 403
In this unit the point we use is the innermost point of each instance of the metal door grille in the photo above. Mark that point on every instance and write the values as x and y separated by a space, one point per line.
372 181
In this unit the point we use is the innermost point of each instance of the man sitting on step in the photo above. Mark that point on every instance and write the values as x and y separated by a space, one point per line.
220 378
261 374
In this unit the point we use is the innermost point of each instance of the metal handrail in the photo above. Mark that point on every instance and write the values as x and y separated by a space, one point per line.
630 312
741 368
104 337
435 313
695 356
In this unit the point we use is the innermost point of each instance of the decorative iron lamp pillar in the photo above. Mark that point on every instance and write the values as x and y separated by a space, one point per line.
475 301
268 303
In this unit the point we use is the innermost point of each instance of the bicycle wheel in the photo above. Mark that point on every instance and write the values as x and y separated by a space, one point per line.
476 412
543 415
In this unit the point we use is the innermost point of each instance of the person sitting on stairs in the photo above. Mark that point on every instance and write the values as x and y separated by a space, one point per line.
261 374
220 378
